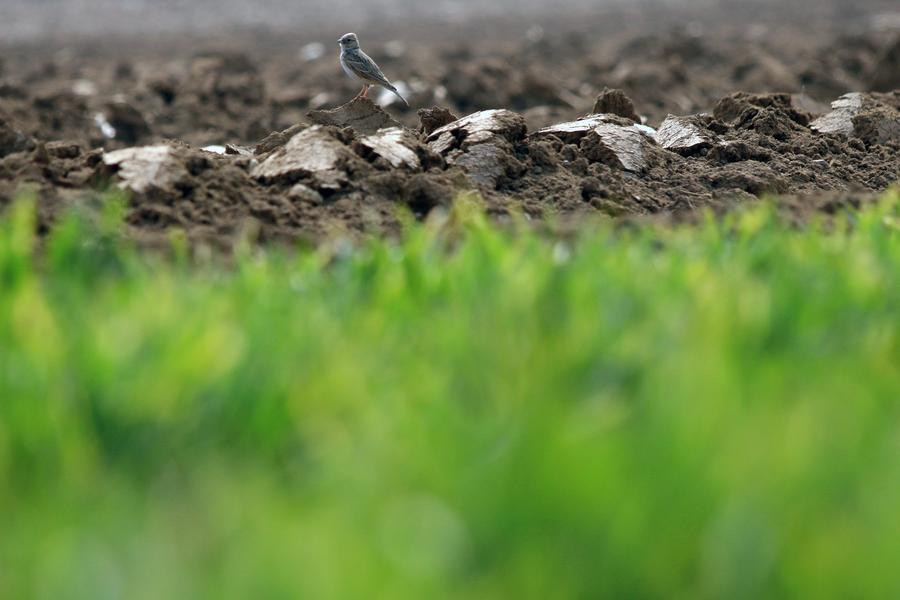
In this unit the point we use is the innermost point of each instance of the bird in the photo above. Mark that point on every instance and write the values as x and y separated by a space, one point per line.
360 66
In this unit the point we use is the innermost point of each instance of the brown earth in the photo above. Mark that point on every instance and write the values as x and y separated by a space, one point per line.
78 116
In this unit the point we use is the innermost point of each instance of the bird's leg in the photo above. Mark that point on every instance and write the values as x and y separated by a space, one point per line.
365 92
362 92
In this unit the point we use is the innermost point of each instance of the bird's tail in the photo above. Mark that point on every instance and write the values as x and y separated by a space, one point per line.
396 93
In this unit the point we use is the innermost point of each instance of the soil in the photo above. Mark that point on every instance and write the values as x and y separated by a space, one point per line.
237 130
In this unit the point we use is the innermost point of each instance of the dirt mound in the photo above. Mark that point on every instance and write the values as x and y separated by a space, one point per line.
599 118
313 180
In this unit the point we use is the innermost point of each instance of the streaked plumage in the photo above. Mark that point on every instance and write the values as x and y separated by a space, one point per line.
360 66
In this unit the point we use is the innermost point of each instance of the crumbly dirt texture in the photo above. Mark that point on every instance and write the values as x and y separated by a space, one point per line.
554 119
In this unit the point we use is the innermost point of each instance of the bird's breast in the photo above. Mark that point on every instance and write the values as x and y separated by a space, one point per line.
347 69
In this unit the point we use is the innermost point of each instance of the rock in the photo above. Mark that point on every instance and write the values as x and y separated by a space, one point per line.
314 152
478 128
434 118
869 117
11 139
885 75
615 102
683 135
395 145
360 114
149 167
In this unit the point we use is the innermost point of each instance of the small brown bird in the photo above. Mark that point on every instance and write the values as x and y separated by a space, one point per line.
360 66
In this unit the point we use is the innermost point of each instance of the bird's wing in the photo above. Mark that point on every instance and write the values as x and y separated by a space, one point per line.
365 68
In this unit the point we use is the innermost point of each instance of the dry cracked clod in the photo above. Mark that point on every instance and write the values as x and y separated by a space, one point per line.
609 139
277 139
149 167
626 148
684 135
487 164
868 117
395 145
482 144
478 128
840 119
361 114
573 131
312 152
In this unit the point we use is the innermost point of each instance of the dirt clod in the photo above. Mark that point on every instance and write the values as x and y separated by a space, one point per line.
150 167
363 115
873 118
615 102
619 147
315 151
684 135
478 128
395 145
434 118
735 106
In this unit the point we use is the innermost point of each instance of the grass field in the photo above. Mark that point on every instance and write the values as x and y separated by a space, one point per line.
703 411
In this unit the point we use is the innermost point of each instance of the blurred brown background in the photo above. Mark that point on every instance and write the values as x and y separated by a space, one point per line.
215 71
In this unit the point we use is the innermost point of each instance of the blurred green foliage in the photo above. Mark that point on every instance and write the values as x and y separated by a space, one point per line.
704 411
